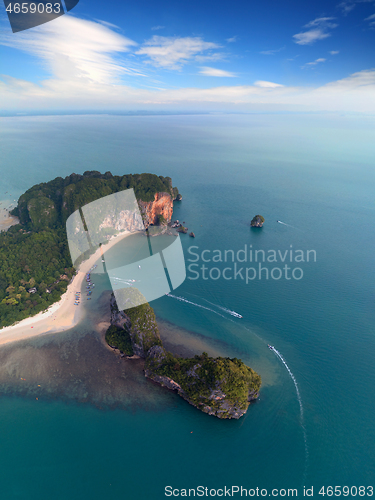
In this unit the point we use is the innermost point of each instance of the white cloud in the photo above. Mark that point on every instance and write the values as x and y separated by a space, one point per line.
106 23
348 5
321 21
267 85
207 71
334 52
319 31
74 49
233 39
271 52
361 80
371 19
355 93
155 28
81 54
309 37
314 63
173 52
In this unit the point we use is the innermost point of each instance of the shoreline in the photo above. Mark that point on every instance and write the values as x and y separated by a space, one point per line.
62 315
6 220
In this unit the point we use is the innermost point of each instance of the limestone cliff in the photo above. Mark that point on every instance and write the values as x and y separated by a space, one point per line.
151 210
141 325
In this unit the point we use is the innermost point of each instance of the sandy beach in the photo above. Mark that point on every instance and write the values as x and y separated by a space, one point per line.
6 220
63 314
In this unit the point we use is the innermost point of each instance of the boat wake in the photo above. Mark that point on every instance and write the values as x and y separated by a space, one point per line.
125 282
229 311
232 313
182 299
289 225
273 349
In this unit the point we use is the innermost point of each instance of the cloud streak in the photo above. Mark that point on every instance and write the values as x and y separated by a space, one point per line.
319 31
271 52
314 63
371 20
348 5
207 71
267 85
173 52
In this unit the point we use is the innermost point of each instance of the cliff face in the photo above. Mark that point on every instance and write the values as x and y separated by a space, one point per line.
125 220
162 205
141 325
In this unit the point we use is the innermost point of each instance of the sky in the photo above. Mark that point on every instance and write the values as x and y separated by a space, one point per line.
196 56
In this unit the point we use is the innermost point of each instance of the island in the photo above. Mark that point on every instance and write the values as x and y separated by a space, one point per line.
222 387
257 221
35 262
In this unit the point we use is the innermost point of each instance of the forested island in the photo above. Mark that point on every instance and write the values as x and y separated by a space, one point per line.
35 263
222 387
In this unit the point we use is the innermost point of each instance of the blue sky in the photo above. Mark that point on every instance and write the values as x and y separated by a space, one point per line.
223 56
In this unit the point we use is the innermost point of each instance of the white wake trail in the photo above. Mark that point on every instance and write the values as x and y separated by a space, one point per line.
182 299
229 311
300 405
294 381
289 225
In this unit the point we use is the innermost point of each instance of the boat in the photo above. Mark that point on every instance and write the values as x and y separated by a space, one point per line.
236 315
270 347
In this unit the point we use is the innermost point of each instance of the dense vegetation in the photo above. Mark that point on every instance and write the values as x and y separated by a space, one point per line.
144 328
119 338
207 381
139 322
34 254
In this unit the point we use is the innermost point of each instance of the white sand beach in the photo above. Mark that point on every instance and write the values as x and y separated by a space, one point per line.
62 315
6 220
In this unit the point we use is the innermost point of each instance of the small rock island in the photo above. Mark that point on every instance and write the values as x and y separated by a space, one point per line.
257 221
222 387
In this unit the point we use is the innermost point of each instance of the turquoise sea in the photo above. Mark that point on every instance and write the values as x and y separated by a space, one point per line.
99 429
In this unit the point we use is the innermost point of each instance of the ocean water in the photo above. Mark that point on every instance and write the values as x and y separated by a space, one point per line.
99 429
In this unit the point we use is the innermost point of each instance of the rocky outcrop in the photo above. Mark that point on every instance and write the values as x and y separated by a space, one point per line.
141 325
150 210
213 401
257 221
221 387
